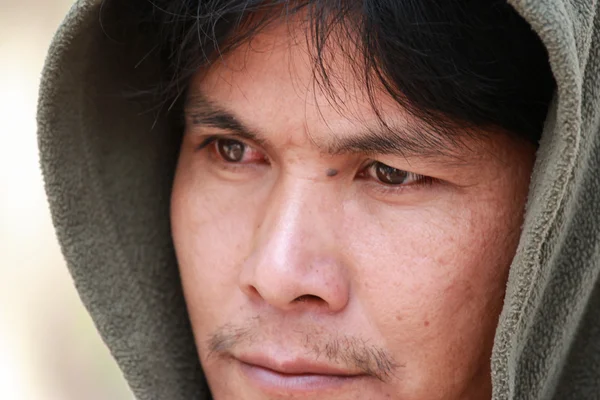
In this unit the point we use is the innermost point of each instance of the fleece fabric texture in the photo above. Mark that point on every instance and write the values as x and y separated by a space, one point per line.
108 164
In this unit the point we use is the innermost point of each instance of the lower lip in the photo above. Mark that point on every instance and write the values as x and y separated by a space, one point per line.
271 381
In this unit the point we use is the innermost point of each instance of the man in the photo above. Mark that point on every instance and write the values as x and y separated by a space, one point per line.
332 200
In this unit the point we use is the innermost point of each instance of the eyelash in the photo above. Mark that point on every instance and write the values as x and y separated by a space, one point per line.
419 181
229 166
207 142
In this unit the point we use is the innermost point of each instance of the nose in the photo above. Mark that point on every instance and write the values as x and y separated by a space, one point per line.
295 262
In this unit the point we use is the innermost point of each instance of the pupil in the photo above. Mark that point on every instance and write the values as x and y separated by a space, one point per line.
231 150
389 175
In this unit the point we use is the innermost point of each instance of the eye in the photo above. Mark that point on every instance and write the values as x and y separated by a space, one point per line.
230 150
390 175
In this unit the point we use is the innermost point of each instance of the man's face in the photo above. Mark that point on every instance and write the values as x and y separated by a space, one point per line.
317 260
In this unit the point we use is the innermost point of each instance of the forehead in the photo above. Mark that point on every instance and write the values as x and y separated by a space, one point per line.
274 79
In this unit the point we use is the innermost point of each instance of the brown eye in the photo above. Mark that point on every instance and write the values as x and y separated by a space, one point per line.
231 150
389 175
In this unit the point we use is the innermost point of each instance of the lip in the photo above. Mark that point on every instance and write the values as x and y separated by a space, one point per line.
294 375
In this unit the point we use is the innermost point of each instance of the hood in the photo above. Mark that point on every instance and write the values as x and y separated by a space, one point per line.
108 165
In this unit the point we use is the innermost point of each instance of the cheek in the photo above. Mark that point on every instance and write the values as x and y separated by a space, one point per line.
212 228
433 277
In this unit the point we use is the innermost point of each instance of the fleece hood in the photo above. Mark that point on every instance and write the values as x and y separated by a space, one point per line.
108 165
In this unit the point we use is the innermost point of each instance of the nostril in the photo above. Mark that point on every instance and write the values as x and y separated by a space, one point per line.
308 298
252 291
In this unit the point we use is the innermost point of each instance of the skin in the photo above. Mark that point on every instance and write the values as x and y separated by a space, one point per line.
294 253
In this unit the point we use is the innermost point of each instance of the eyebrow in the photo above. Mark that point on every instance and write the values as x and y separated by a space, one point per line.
407 141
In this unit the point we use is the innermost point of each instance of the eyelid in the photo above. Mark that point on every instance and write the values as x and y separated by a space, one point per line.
415 177
208 139
400 190
419 182
249 148
206 142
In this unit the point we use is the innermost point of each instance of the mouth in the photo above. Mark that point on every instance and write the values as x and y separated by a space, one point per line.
294 375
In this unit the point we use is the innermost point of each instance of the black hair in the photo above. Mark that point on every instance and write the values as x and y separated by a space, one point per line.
451 63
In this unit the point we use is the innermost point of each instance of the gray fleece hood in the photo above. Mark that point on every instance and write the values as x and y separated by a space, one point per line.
108 165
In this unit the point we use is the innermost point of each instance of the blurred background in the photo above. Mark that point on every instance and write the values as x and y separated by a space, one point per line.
49 348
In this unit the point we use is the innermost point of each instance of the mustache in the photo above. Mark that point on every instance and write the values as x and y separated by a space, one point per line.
349 351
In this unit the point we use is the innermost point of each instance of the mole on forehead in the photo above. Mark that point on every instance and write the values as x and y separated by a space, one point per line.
331 172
